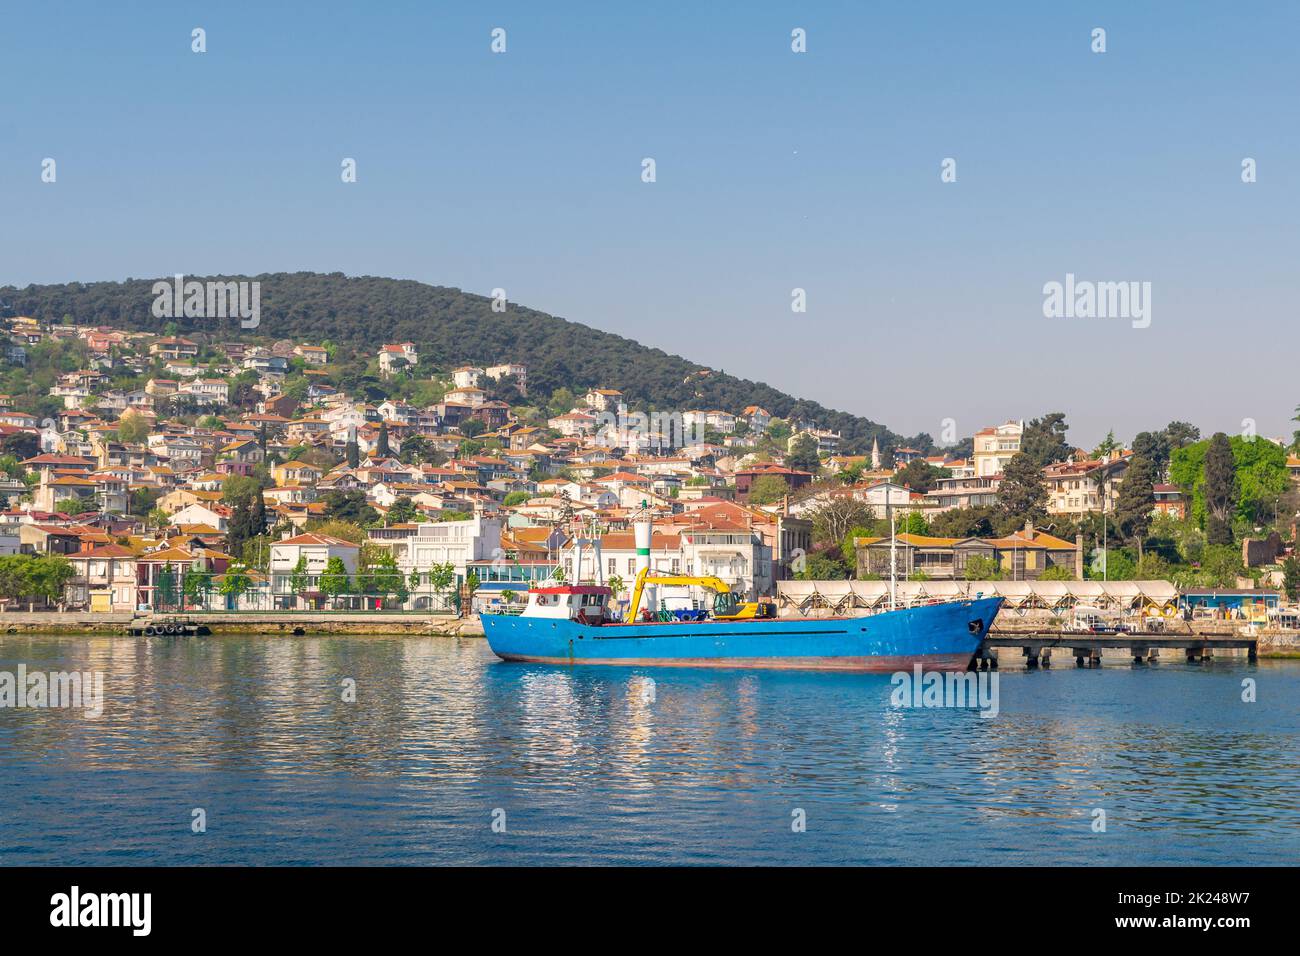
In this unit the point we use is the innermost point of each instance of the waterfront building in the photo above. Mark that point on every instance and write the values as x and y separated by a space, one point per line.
316 550
1022 556
418 547
966 491
104 579
1090 485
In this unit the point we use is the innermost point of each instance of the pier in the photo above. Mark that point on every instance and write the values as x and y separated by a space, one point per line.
167 626
1037 648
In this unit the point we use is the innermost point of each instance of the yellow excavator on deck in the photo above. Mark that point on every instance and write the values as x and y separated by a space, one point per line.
725 605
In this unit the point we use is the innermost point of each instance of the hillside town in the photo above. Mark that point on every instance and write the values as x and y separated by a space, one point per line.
191 471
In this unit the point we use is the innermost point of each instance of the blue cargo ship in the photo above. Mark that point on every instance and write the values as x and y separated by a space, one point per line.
572 624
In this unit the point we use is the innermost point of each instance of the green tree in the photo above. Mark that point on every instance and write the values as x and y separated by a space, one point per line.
913 523
768 490
1044 439
344 530
381 443
132 428
417 449
335 581
403 511
1180 434
1220 490
1262 478
298 577
195 585
239 528
976 522
1115 564
42 577
235 583
1153 567
819 567
802 455
442 577
1291 578
980 567
1057 572
1221 566
1136 503
350 506
165 587
1108 445
848 545
383 577
1154 447
1022 494
919 475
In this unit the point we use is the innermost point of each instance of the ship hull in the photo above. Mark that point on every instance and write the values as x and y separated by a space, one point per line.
939 637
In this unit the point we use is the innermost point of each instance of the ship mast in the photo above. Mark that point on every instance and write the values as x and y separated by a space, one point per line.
893 553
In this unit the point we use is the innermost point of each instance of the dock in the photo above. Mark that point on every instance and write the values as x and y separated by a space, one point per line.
1086 649
163 626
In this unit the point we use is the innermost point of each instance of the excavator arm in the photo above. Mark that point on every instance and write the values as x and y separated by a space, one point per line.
717 585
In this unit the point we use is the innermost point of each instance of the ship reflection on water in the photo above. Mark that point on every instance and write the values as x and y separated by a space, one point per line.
622 765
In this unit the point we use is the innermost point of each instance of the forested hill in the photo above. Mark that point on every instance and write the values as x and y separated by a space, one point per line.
453 328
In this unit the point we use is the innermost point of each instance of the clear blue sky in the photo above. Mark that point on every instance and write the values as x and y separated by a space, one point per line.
775 170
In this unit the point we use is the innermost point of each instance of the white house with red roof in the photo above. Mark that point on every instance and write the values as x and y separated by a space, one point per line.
395 357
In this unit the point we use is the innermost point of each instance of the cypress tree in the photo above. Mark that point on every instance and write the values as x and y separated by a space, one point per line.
1220 490
1136 502
258 518
239 529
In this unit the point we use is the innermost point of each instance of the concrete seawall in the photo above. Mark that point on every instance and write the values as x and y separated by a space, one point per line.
288 623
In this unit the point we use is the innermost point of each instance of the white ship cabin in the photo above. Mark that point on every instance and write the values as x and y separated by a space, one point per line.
570 602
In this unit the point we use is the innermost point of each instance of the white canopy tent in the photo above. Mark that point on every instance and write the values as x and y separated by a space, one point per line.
843 597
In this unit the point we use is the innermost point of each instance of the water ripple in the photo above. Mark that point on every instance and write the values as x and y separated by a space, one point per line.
589 766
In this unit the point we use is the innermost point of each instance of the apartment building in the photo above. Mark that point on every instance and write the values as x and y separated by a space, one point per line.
995 447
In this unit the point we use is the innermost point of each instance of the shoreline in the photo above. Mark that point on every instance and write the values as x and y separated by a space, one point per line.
282 624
